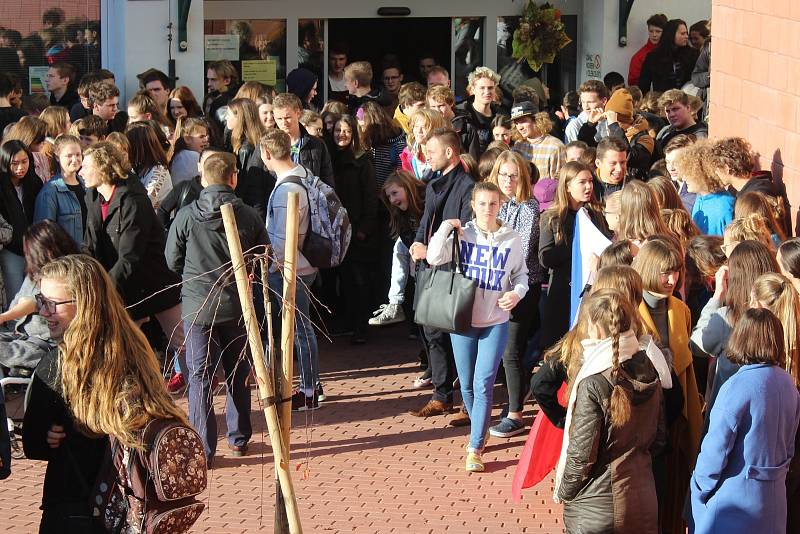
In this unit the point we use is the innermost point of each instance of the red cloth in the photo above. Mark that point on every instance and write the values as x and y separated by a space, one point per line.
635 68
545 440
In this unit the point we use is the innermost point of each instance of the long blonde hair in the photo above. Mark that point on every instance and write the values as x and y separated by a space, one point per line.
639 216
109 375
250 128
781 298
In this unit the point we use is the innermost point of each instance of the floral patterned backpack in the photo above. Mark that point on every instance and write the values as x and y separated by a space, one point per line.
153 491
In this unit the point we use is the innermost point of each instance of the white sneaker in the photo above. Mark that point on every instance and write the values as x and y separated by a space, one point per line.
387 314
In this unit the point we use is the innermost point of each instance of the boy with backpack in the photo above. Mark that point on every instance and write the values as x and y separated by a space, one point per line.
197 249
276 149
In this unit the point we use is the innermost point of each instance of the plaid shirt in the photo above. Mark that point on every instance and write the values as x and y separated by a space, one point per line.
546 152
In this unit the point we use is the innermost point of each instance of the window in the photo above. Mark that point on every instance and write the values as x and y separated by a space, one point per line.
37 35
257 48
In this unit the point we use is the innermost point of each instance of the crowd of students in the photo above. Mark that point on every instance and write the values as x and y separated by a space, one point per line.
675 386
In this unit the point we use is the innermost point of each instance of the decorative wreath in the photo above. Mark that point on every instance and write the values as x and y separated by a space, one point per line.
540 35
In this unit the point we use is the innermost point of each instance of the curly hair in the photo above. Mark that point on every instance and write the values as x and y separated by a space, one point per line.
693 164
482 72
110 162
735 154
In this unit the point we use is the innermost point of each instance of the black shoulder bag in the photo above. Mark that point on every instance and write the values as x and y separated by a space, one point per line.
444 298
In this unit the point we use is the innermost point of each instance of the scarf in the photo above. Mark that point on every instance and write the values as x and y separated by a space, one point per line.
597 358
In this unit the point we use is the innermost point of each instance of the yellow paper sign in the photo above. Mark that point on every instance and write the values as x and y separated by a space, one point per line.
260 70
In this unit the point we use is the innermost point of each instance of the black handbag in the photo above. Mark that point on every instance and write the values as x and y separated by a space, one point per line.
444 298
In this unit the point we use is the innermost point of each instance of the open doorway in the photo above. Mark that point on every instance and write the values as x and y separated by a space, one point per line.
406 38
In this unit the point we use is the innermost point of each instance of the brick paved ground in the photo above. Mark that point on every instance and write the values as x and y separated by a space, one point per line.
371 467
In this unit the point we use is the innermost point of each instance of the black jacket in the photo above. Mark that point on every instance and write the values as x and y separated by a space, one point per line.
447 197
314 156
197 249
255 181
214 103
478 135
69 99
130 245
181 195
377 95
355 187
19 214
72 467
556 256
664 71
545 385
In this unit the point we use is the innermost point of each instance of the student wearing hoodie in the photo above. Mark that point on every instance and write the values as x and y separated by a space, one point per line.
618 120
196 249
492 255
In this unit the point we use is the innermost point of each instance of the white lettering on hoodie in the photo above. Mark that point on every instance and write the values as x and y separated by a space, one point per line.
494 259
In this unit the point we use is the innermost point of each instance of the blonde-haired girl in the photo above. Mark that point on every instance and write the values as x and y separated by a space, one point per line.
614 420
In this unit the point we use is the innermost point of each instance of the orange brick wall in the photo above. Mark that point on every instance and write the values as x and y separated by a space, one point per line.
25 16
755 82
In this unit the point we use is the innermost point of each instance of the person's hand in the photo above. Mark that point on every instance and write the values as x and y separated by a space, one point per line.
721 283
418 251
594 263
595 115
611 116
55 436
456 224
508 301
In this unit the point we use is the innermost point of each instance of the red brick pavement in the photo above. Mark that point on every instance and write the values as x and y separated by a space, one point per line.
370 467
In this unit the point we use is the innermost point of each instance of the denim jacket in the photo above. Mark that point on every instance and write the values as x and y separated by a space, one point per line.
57 203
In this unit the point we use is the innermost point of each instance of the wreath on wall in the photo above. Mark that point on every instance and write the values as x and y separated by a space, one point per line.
540 35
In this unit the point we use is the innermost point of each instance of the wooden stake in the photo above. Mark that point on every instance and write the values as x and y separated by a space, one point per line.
285 367
264 380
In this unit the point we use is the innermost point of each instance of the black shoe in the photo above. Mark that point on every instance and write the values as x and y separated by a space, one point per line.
301 403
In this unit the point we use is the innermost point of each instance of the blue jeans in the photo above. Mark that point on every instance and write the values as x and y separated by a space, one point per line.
13 267
401 266
207 347
478 353
305 339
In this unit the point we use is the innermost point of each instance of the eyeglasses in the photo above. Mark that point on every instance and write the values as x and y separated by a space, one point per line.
45 304
509 176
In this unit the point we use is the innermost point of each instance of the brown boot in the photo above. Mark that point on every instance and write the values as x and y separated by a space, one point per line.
461 418
434 407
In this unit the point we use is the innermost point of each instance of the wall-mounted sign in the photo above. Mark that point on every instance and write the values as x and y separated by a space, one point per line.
592 65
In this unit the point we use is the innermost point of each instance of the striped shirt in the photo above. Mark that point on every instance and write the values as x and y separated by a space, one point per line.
387 158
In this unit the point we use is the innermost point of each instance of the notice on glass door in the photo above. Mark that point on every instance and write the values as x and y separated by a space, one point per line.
219 47
260 70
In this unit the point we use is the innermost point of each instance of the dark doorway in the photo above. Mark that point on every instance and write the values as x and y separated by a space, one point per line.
407 38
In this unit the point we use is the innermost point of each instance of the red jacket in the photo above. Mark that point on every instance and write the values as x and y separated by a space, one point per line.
637 61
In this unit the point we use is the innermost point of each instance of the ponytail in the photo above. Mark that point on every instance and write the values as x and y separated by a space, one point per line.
777 293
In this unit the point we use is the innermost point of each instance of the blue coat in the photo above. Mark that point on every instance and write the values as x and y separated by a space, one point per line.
56 202
739 481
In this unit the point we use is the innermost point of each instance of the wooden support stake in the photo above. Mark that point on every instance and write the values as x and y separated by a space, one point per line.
286 366
264 380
